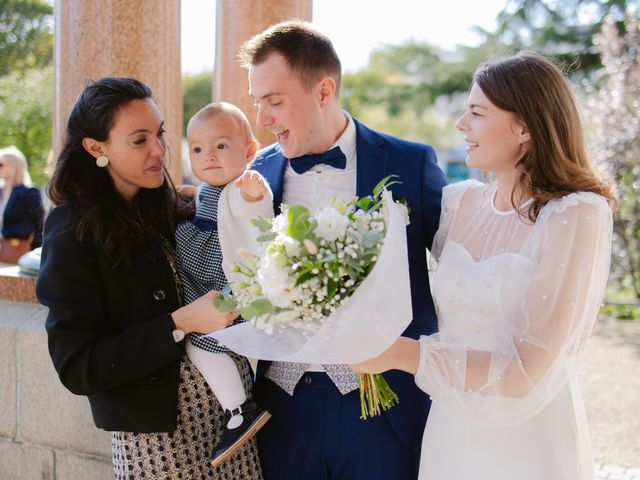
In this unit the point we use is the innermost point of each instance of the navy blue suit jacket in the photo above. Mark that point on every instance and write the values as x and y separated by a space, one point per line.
24 215
379 155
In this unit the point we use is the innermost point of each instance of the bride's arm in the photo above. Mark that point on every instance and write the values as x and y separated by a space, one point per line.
538 342
403 355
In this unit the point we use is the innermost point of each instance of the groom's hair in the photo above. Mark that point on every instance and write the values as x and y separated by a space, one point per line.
308 52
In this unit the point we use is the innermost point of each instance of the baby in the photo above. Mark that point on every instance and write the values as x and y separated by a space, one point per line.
221 146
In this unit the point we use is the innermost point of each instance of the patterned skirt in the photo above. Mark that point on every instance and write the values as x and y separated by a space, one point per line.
184 453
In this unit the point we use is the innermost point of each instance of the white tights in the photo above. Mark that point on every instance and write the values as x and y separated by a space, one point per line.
221 374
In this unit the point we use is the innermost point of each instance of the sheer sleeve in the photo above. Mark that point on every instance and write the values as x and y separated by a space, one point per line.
451 196
537 342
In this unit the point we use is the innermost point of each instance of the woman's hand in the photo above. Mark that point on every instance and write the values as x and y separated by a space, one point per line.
201 316
186 191
404 355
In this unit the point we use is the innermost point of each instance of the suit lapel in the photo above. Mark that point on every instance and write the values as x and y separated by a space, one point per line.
372 160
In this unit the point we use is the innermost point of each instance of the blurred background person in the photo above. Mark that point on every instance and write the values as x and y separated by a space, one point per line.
21 209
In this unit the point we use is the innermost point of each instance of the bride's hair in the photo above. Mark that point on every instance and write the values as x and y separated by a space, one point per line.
555 162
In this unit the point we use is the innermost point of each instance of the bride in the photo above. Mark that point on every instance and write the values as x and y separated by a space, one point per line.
522 265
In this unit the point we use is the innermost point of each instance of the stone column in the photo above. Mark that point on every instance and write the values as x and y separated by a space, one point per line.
133 38
236 22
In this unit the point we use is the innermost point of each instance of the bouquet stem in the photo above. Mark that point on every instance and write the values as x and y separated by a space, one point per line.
375 395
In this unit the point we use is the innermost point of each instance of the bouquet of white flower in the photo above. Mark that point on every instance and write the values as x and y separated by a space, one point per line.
328 288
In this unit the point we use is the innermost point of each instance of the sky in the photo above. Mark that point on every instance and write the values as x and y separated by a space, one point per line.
445 23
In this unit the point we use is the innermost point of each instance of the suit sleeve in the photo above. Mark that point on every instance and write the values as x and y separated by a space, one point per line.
88 352
433 180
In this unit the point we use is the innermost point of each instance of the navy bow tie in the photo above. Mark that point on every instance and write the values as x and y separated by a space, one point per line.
333 157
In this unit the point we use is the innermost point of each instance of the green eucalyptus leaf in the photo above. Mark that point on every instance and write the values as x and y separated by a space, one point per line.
299 223
263 224
303 277
247 312
308 264
353 264
225 304
372 238
262 306
332 287
266 238
329 258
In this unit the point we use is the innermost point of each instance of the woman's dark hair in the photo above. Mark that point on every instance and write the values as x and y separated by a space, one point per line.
103 215
556 162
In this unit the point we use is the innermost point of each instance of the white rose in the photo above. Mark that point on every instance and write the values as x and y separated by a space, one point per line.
339 205
275 282
291 245
331 224
280 224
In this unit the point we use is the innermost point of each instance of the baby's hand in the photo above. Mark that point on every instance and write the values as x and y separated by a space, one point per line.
252 186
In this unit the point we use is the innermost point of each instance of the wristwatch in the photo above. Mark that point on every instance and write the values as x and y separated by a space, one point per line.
178 335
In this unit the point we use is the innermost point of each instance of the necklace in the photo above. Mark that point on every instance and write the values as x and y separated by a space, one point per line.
170 255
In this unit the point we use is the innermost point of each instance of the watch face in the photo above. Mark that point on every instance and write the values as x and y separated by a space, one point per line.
178 335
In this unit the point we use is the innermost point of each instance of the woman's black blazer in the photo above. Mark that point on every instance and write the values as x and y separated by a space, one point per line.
109 328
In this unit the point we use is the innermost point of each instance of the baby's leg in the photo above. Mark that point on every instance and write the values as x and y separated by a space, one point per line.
243 418
221 374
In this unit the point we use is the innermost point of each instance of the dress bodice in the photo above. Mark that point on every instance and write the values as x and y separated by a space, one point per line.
473 296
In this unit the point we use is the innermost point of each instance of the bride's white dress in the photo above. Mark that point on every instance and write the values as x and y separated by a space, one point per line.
516 301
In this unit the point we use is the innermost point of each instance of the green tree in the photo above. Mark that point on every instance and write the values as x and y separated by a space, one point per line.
26 35
397 90
414 90
26 109
612 108
404 77
196 94
561 29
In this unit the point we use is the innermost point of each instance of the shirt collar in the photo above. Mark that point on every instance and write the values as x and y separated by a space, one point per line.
346 142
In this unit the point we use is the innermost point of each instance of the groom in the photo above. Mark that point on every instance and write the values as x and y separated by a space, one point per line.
322 152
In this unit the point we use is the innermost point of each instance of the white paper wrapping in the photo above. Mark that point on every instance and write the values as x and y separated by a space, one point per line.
364 326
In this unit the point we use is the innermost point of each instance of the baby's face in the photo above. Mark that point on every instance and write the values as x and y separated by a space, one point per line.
218 149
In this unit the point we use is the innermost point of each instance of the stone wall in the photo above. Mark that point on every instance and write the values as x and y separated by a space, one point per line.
46 432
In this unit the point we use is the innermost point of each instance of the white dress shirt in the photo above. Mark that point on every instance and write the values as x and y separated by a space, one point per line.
315 187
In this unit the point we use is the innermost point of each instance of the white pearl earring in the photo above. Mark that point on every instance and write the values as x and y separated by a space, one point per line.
102 161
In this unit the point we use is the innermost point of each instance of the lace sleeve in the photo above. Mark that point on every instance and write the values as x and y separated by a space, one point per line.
536 343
